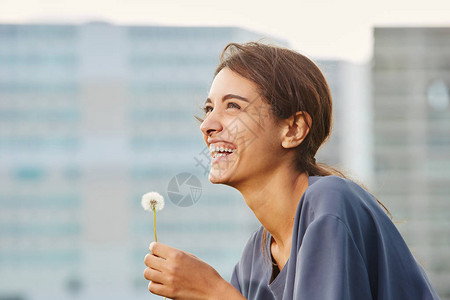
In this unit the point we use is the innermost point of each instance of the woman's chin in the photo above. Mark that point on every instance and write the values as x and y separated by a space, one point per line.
214 178
218 176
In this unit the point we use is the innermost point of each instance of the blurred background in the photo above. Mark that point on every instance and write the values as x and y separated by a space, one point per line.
96 108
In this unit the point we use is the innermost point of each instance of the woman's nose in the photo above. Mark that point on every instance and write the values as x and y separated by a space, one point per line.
211 124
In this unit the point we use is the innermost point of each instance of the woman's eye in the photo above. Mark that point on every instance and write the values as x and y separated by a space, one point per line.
207 109
233 105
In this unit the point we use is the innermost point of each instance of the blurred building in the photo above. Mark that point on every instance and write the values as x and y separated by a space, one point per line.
349 148
411 79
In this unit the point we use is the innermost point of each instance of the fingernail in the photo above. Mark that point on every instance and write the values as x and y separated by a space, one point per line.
151 246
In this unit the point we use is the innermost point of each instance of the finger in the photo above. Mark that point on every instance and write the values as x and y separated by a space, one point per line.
153 275
161 250
154 262
157 289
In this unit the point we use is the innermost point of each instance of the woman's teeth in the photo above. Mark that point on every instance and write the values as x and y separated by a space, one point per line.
216 151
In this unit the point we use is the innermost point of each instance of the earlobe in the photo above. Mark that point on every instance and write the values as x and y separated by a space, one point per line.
296 128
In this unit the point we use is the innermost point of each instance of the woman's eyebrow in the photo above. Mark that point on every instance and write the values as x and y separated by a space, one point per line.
233 96
229 96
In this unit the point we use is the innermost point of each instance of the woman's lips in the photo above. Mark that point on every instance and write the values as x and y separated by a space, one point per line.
221 157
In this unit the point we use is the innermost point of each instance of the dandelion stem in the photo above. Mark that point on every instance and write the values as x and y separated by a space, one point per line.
154 223
154 228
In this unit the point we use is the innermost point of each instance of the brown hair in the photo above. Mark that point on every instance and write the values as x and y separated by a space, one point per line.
289 82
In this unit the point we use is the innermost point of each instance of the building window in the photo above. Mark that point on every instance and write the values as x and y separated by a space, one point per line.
438 96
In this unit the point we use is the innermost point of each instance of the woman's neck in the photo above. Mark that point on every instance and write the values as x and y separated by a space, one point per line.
274 200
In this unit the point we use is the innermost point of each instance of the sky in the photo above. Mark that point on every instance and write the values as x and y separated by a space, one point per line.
318 28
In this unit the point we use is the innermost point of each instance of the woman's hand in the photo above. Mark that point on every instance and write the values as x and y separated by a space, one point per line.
179 275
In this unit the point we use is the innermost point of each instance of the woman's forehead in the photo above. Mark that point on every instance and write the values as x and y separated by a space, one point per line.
229 82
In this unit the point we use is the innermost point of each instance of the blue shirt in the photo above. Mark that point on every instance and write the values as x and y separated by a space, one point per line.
344 246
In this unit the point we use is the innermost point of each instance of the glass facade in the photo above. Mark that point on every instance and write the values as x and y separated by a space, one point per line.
40 226
412 140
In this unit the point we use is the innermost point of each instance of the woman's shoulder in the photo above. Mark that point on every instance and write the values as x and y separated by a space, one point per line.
330 183
338 196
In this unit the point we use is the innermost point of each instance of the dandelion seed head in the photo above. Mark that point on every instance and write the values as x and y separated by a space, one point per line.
152 200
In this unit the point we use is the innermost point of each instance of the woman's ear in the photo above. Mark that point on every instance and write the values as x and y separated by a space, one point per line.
295 129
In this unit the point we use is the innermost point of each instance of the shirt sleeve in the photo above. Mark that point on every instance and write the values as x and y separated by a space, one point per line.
329 264
234 278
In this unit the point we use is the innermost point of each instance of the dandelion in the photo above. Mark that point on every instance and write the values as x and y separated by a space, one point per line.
153 201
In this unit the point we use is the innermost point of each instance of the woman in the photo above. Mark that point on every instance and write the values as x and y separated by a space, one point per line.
322 236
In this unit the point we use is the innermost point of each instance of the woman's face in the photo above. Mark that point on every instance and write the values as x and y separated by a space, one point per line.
240 131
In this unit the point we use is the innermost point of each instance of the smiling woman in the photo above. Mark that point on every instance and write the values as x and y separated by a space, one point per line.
322 236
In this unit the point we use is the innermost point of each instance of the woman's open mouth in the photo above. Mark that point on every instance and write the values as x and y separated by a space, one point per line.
220 152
